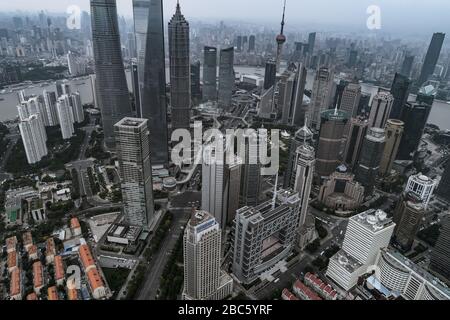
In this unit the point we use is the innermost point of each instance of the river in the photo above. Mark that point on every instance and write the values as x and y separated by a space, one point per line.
440 112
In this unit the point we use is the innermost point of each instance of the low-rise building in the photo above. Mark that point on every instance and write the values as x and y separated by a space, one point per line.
305 293
86 258
33 253
287 295
27 240
322 288
37 210
72 294
52 294
96 283
123 234
59 271
11 244
50 250
12 261
75 227
32 296
15 286
38 277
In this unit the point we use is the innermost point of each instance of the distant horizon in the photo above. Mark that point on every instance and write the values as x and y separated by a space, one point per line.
397 16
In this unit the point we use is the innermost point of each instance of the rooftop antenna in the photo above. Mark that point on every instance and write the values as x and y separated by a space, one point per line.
282 20
306 127
275 190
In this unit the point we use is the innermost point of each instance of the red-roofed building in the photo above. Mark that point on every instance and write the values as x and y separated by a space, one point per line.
32 296
86 257
59 271
287 295
38 277
96 283
305 293
72 294
75 226
12 261
50 250
33 252
11 244
323 289
52 294
15 285
27 240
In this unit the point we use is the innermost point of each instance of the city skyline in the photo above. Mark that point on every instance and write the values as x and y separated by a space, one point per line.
338 14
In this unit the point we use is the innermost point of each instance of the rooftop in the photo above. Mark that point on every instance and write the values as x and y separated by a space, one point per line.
346 261
372 219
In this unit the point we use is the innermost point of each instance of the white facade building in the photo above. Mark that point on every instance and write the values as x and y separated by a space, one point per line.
403 277
33 138
50 100
203 277
65 117
77 107
366 233
422 186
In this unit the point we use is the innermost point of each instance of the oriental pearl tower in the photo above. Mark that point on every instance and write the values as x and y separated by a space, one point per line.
281 39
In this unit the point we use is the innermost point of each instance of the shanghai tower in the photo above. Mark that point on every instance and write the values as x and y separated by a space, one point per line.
113 95
180 87
149 28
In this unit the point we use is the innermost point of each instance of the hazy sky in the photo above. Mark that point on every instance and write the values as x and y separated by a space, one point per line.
397 15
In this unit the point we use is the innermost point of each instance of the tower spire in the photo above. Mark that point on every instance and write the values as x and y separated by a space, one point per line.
282 20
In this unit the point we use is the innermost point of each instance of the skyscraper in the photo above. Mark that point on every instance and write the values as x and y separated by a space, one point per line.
311 43
381 109
440 256
357 133
203 278
400 92
210 74
431 58
33 140
443 189
408 217
77 107
65 116
264 235
180 76
300 109
149 28
251 43
226 78
421 186
196 89
133 152
394 133
303 136
50 104
350 99
366 234
333 123
270 74
370 157
303 178
321 95
281 39
415 116
251 174
220 185
113 96
407 65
